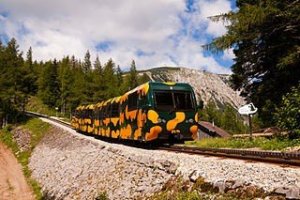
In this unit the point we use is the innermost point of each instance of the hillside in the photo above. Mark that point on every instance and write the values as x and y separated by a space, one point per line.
207 86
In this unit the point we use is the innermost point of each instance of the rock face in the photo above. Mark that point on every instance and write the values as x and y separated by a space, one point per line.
208 86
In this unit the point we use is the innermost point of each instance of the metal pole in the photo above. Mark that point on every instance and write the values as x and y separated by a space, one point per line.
250 126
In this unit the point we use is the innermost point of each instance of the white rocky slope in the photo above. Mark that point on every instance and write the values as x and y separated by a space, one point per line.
208 86
69 165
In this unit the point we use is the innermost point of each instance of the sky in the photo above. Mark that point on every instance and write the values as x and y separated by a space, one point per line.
154 33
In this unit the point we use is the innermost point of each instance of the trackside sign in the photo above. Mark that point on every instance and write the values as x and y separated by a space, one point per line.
247 109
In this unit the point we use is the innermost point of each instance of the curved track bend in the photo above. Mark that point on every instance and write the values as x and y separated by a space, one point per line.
282 158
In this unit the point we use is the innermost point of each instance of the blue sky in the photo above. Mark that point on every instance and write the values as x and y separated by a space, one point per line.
152 32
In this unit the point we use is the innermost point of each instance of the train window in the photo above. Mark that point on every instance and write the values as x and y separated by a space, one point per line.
142 100
114 110
183 100
107 111
170 100
132 101
164 100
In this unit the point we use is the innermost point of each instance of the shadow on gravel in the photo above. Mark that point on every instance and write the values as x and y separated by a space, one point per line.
133 143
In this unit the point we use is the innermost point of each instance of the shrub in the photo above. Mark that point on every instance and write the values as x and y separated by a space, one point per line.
288 114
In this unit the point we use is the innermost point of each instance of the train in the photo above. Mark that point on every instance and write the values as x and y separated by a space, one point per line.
153 111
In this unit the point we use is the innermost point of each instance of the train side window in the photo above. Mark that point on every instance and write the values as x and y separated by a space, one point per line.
91 114
142 100
108 110
101 113
132 101
115 110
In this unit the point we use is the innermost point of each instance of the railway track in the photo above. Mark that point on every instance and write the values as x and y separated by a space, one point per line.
34 114
283 158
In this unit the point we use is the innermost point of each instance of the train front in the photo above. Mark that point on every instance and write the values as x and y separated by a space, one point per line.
173 114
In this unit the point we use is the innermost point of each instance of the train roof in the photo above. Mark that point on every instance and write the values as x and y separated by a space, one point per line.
170 85
160 85
144 88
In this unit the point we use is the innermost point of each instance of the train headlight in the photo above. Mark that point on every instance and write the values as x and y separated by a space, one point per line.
159 120
189 121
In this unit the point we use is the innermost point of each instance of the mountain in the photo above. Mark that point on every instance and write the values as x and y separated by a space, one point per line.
208 86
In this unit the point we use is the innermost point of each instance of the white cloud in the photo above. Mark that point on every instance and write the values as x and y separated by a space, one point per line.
212 8
57 28
228 54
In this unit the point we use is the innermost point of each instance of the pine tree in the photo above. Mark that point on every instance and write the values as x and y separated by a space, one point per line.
73 62
110 80
98 81
49 84
12 95
66 79
265 38
29 75
97 65
87 65
133 76
119 76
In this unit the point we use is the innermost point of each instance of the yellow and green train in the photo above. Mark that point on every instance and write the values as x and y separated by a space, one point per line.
150 112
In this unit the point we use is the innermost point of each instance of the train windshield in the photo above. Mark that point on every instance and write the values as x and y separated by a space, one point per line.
173 100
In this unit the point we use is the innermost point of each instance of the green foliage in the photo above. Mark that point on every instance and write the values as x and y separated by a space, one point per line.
110 80
49 84
65 79
102 196
288 114
13 80
38 129
265 39
132 78
262 143
35 104
87 65
30 77
226 118
98 81
143 79
176 190
64 83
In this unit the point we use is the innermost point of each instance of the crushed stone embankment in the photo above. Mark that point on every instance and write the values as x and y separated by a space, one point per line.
69 165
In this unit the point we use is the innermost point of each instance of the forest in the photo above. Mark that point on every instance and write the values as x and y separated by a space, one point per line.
264 36
62 84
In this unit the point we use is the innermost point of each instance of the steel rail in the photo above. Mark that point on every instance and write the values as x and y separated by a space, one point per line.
262 156
34 114
284 158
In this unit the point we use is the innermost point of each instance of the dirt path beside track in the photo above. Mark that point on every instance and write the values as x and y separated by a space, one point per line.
13 185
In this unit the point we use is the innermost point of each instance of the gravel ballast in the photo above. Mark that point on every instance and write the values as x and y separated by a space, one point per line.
69 165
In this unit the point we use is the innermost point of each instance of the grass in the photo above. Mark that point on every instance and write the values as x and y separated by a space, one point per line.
36 105
102 196
38 128
260 142
177 189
